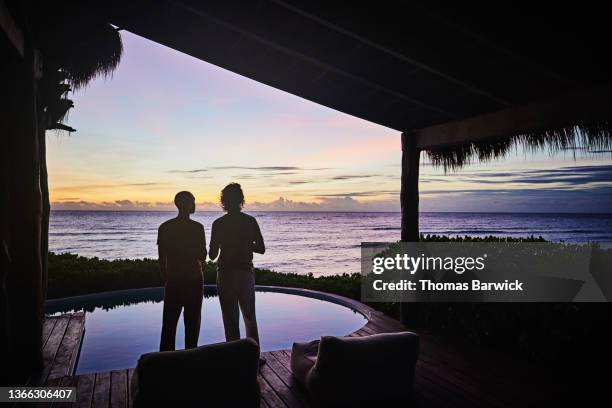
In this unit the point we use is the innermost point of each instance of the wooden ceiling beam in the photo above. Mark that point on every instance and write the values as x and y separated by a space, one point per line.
577 108
402 57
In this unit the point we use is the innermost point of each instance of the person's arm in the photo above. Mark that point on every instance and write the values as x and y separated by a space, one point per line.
161 252
258 241
214 244
203 252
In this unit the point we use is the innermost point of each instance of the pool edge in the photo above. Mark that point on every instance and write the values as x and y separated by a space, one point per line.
366 311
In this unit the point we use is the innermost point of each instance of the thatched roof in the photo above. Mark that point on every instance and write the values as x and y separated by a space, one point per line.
587 139
76 40
76 44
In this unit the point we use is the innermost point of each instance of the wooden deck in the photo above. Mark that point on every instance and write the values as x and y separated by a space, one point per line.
62 337
457 375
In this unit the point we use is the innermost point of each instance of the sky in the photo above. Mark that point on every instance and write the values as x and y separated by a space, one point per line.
165 122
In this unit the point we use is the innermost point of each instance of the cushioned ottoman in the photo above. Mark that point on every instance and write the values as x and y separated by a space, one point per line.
223 374
353 370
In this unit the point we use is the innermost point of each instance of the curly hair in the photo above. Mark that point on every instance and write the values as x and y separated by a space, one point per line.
232 197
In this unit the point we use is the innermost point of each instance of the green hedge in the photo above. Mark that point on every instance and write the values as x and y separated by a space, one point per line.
72 275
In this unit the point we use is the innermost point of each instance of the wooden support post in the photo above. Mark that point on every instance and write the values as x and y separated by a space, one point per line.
46 205
409 199
24 219
409 193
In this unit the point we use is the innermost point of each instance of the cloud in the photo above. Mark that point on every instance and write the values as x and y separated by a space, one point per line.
346 177
261 171
188 171
530 200
354 176
325 204
88 187
552 191
568 176
264 168
265 175
359 194
117 205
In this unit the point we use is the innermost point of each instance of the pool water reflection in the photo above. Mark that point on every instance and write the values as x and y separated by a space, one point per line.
117 332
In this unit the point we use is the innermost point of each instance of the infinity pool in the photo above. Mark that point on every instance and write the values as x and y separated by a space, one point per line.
120 326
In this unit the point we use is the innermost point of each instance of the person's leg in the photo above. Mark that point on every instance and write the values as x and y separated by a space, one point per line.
246 297
229 307
192 314
171 314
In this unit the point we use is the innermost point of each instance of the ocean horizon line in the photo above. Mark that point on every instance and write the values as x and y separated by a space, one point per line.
332 211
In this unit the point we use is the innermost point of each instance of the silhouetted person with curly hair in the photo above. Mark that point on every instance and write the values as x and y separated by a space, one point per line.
182 249
237 236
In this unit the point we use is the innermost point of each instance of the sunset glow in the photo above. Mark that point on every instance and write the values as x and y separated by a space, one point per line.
167 122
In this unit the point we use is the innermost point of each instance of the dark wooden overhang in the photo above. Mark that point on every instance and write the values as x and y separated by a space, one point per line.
404 65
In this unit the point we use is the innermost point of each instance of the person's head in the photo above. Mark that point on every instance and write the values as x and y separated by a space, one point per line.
232 197
185 202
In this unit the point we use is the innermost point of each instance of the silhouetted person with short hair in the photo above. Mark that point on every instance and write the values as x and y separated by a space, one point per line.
182 249
237 235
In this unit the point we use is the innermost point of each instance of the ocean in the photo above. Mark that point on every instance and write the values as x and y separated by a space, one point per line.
320 243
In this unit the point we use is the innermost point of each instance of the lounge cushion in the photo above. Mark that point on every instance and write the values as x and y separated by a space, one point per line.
353 370
222 374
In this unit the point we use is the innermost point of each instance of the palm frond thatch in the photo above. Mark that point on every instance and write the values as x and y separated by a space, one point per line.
77 41
96 52
591 138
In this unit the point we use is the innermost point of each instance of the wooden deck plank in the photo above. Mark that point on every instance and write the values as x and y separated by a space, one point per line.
101 393
287 377
281 389
284 356
269 396
383 324
495 373
85 389
55 382
130 374
50 349
278 368
118 389
68 381
458 391
435 396
469 385
63 362
48 326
